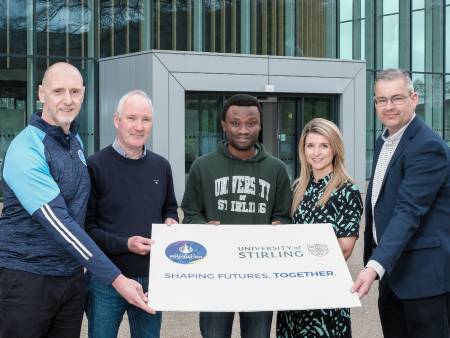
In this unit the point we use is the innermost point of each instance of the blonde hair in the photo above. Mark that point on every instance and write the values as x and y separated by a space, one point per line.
340 176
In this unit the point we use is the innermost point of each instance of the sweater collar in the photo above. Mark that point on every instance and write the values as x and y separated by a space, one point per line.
116 146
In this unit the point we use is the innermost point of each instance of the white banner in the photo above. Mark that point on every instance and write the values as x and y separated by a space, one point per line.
203 267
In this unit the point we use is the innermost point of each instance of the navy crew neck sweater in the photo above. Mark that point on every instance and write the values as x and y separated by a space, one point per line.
127 197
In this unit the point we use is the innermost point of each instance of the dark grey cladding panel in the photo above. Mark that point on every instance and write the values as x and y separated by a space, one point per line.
213 63
228 82
315 67
117 77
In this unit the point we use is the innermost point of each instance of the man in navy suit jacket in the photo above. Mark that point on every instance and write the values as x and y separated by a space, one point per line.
407 237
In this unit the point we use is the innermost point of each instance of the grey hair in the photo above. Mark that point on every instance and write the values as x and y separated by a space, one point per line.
394 74
124 98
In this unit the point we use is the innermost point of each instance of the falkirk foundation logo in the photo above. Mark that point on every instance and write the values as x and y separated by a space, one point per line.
185 252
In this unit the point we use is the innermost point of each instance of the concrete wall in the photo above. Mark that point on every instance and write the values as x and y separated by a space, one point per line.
167 75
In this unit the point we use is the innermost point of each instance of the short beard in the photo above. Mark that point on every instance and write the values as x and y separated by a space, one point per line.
62 120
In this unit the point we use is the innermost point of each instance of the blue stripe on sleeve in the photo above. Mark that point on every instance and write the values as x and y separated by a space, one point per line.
26 170
64 230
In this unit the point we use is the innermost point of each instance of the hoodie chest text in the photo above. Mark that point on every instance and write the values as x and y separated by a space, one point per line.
243 186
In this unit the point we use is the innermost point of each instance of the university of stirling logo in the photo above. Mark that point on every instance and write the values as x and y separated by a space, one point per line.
318 250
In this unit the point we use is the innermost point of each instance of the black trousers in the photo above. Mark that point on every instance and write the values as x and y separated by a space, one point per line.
36 306
413 318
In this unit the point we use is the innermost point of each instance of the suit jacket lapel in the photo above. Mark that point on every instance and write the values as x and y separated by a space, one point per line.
409 133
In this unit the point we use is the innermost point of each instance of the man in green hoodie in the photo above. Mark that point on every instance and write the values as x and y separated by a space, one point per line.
238 184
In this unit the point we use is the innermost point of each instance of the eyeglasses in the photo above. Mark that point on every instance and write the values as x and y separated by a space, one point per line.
397 100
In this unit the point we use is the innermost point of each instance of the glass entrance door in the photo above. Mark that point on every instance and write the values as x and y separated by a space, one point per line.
292 114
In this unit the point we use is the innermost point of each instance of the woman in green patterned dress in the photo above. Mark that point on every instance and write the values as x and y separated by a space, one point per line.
324 193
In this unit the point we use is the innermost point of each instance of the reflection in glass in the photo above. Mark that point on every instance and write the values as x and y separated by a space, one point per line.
119 26
346 40
62 27
173 25
390 6
418 41
390 41
13 27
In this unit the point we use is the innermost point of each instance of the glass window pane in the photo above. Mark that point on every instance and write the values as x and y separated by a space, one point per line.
346 10
419 87
13 101
120 25
447 110
363 39
202 127
184 29
418 42
318 107
135 26
106 18
222 30
287 111
447 39
13 27
346 40
315 29
418 4
390 6
390 41
62 27
430 107
371 125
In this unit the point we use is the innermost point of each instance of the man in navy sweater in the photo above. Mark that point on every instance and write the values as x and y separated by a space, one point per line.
132 188
43 246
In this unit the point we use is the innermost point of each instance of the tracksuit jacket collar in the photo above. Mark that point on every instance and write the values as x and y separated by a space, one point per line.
54 131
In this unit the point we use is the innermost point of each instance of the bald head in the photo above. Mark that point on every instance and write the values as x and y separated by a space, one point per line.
61 94
60 67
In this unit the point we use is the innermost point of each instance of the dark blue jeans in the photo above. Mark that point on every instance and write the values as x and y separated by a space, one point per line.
105 310
219 324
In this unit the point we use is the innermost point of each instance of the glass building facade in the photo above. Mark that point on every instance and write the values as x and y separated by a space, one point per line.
410 34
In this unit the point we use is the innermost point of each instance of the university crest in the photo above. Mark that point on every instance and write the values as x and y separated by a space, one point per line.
318 250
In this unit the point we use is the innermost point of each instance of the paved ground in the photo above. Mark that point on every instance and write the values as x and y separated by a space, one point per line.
365 320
